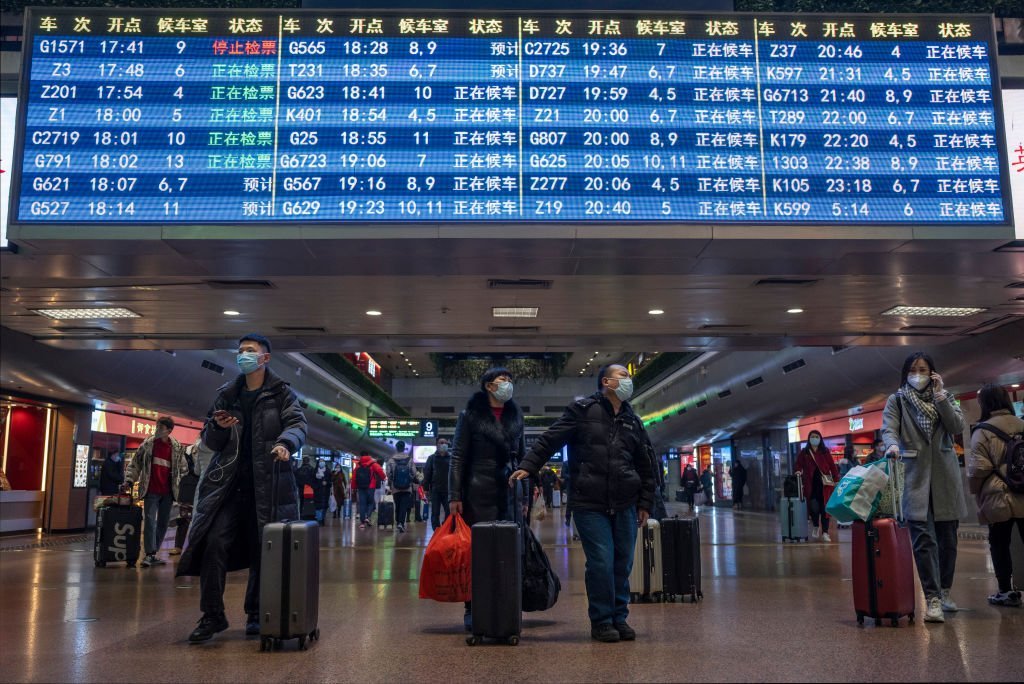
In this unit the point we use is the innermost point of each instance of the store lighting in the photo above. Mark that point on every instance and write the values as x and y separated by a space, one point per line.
1015 385
656 312
374 312
100 312
952 311
514 311
794 311
232 312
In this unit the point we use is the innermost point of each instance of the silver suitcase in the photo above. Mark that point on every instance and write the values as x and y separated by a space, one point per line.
289 583
646 582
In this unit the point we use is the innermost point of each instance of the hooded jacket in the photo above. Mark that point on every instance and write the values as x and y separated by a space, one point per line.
435 472
277 418
140 465
610 466
377 474
986 470
484 455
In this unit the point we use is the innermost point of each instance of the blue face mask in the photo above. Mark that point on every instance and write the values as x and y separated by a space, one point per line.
624 390
248 362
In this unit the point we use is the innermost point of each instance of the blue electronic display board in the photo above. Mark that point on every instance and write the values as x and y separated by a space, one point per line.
229 116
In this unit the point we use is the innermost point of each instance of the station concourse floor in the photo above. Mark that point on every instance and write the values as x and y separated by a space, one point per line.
771 612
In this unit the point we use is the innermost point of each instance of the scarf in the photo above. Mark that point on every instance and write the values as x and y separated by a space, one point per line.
923 405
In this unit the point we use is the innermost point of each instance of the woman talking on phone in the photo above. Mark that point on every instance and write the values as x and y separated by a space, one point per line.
919 422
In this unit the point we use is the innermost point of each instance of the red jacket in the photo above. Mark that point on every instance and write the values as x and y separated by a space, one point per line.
809 463
376 472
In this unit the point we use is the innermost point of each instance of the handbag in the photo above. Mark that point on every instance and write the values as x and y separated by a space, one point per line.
826 478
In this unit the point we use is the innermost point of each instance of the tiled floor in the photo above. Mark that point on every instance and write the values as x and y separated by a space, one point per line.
771 612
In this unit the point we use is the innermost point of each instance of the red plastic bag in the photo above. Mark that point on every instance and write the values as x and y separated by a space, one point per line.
447 563
307 492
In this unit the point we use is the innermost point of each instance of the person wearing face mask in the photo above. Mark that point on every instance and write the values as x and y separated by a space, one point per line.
155 467
919 422
489 441
820 474
112 474
435 481
253 427
613 481
877 452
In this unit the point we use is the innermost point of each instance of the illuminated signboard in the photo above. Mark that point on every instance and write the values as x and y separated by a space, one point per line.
395 428
81 474
8 115
229 117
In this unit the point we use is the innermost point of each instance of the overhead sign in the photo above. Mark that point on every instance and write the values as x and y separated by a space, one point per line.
8 117
428 429
394 428
227 116
1013 105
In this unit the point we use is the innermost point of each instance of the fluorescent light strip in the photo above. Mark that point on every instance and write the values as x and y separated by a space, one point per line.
951 311
71 314
514 311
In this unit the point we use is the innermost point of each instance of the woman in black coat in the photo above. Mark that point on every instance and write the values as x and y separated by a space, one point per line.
489 441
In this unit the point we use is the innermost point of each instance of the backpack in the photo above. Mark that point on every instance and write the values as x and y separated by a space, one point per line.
363 477
403 475
1014 457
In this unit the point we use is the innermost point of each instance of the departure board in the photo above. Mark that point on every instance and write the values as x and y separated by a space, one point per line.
232 116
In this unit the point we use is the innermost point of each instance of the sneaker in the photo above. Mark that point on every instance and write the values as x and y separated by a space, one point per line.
157 560
626 633
948 605
1010 599
605 632
252 624
934 611
825 538
362 526
208 625
149 560
814 533
176 551
401 528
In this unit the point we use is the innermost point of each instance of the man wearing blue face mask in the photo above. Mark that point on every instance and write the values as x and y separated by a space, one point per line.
254 426
613 480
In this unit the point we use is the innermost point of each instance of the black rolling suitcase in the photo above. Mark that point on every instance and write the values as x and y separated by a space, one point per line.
680 546
289 581
386 513
497 576
118 535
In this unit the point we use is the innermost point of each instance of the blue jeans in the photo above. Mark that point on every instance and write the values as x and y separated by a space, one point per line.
608 542
365 503
935 546
158 515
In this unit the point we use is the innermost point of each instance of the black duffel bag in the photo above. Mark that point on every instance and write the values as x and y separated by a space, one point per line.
540 583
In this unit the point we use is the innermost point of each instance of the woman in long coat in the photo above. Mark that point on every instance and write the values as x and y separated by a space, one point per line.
919 422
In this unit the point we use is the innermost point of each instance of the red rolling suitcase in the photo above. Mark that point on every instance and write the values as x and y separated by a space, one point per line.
883 567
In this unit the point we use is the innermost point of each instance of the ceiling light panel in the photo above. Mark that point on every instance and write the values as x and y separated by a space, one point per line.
515 311
954 311
92 313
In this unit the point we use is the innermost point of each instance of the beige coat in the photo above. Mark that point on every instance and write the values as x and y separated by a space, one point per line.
996 503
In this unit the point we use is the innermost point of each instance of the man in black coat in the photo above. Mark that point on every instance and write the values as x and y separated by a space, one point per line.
613 480
435 481
253 427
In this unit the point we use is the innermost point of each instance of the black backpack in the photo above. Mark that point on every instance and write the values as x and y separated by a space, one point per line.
363 477
540 583
1014 457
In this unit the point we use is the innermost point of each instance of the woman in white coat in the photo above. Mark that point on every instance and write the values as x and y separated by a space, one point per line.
919 422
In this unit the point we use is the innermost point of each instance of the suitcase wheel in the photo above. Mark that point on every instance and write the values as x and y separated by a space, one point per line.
910 619
895 622
513 641
101 564
472 640
302 643
266 644
878 622
315 635
860 619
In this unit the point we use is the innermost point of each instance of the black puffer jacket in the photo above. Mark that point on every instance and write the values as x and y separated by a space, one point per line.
277 418
435 473
609 465
484 454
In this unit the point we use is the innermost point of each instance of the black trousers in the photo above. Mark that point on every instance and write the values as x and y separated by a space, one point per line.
438 500
236 520
999 537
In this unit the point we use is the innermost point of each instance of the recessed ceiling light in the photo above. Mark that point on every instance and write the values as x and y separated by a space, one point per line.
514 311
933 311
101 312
655 312
373 312
232 312
402 353
1015 385
794 311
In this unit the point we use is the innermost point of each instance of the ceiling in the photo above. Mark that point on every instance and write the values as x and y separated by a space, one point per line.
436 295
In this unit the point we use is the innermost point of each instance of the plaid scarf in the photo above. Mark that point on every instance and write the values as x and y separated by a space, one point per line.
922 406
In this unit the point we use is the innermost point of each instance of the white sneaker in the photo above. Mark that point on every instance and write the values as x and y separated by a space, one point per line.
814 533
825 538
934 611
948 605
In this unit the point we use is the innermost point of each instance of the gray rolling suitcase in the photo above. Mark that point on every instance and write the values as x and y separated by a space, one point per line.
793 515
289 582
646 579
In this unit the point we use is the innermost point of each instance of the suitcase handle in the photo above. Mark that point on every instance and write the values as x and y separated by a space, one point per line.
897 497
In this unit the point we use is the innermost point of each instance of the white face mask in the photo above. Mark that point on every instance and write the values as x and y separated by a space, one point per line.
815 442
503 392
918 382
